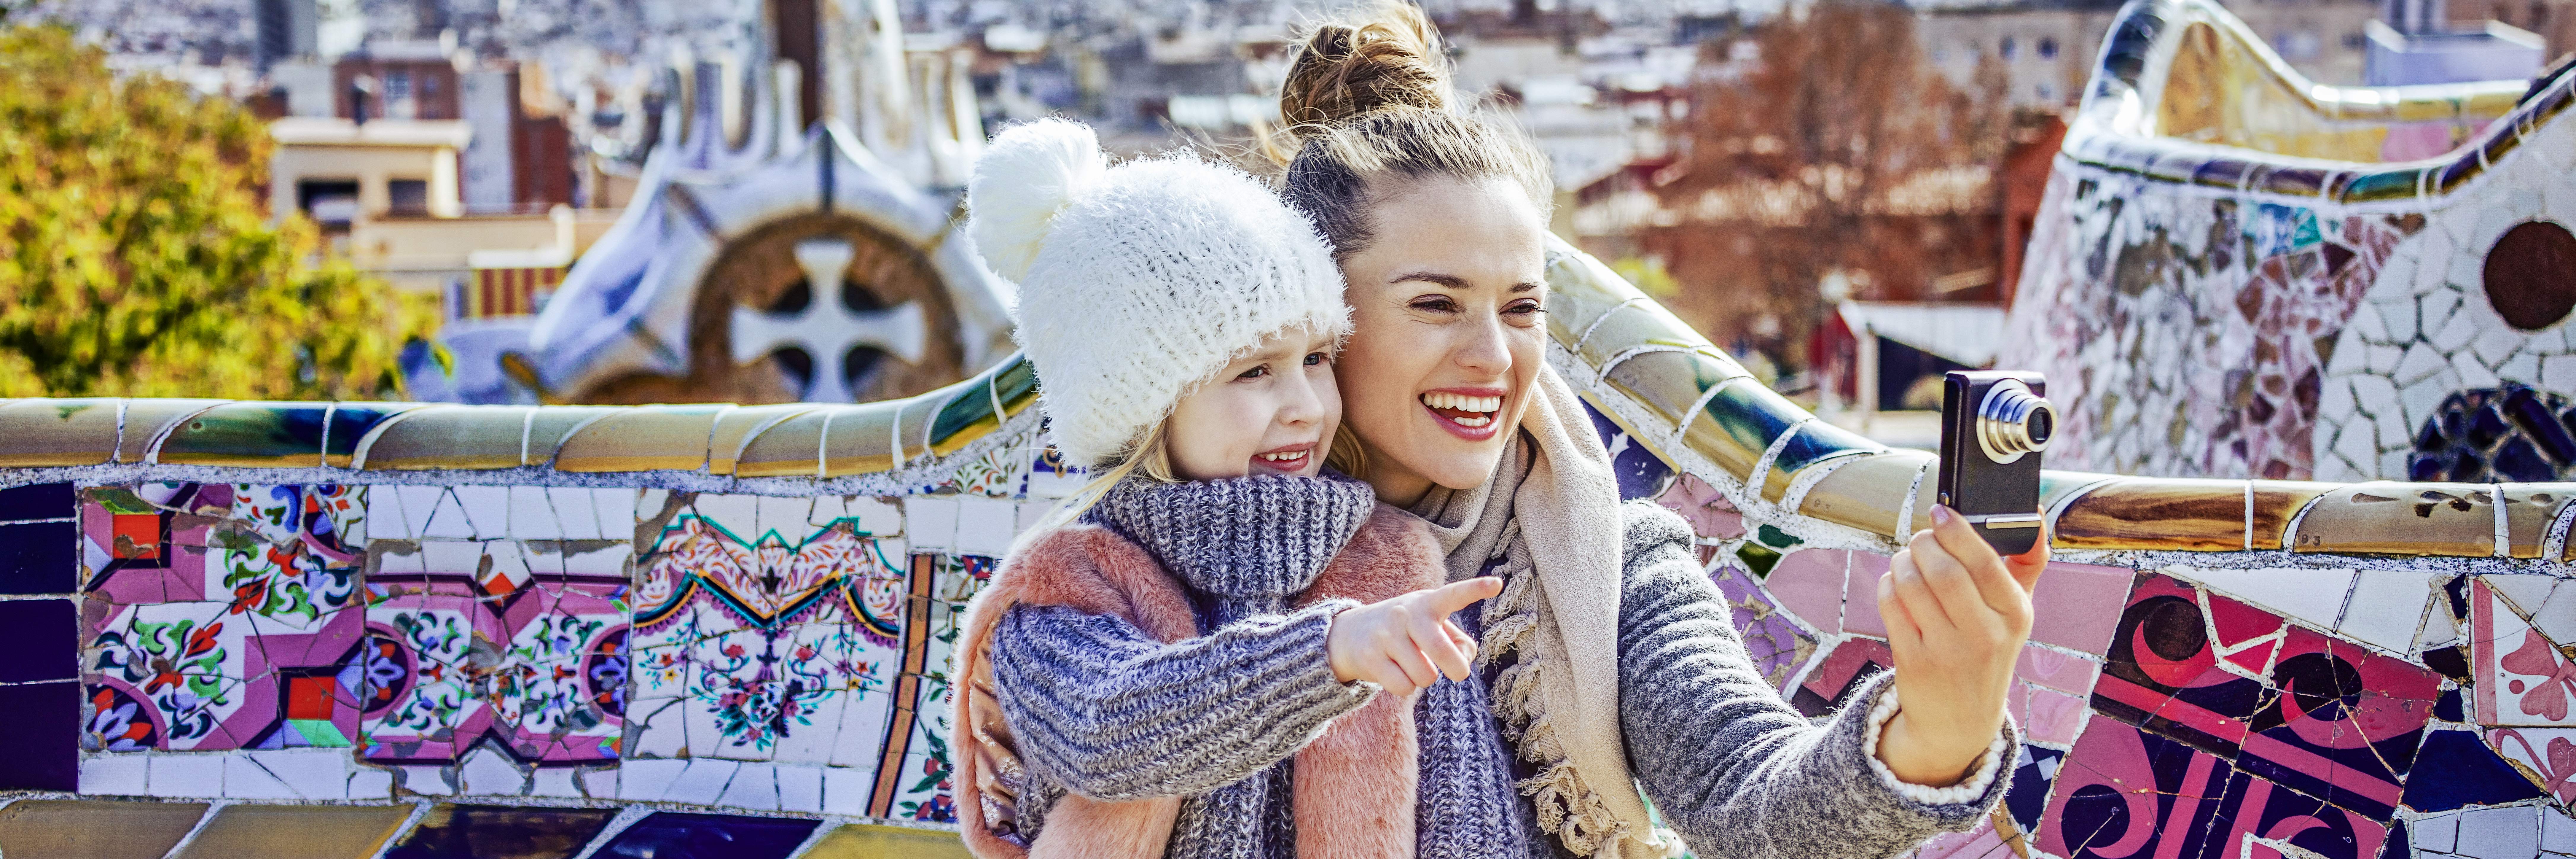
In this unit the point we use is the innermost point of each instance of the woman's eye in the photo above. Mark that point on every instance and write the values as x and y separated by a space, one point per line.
1525 308
1435 304
1315 359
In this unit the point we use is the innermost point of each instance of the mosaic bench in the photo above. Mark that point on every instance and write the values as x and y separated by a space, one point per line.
359 629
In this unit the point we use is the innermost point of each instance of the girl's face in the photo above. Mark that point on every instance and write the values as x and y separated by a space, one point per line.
1447 308
1271 412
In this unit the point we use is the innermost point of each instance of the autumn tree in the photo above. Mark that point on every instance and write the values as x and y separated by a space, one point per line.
137 257
1823 142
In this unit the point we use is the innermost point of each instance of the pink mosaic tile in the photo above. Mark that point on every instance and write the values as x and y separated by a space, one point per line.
1809 583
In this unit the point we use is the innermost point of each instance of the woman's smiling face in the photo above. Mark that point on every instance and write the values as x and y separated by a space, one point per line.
1448 329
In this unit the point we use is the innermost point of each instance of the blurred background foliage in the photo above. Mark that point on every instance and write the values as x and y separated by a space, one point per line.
136 254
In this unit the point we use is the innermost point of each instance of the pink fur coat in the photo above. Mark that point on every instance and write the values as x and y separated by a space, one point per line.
1354 790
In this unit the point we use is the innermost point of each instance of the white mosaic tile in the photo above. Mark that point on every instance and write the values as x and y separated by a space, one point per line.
115 775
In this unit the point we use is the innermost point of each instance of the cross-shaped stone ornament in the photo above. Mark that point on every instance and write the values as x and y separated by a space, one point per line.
826 328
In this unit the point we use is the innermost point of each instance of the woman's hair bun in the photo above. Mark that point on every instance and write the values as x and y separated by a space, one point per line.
1387 57
1027 175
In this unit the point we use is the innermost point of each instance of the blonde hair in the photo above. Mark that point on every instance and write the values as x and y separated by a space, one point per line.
1348 454
1369 99
1151 456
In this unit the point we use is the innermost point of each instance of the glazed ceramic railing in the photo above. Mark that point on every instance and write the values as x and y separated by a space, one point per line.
1675 392
2185 93
323 611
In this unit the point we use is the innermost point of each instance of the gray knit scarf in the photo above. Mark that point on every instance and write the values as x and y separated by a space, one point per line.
1244 547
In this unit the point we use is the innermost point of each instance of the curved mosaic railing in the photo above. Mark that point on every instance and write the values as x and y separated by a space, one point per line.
379 625
2210 301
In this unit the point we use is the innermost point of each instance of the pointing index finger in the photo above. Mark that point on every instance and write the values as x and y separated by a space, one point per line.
1449 598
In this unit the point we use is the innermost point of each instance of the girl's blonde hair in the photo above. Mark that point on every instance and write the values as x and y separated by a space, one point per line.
1151 457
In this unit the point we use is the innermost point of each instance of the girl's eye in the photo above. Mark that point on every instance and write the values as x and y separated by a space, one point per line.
1256 372
1315 359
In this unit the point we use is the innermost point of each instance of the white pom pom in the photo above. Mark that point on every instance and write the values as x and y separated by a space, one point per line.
1025 177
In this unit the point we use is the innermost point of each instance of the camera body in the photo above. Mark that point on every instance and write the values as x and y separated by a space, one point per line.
1994 424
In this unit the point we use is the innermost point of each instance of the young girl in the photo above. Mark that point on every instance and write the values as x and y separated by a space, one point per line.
1213 651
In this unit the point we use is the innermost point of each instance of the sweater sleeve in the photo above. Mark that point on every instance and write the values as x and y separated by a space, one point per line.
1113 714
1729 764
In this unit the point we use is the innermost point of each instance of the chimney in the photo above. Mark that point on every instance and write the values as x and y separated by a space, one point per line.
795 28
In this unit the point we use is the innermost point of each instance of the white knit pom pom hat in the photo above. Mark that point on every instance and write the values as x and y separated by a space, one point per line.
1139 282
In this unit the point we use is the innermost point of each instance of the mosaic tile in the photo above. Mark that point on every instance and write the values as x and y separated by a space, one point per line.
2166 513
500 832
785 449
295 831
2545 754
669 438
1829 685
37 557
62 432
766 643
1710 514
2035 770
2124 792
38 501
735 428
41 749
463 439
538 668
1809 584
2075 605
1641 472
248 434
861 841
675 835
75 829
41 639
1857 493
2276 503
2402 519
1738 424
1776 644
2522 677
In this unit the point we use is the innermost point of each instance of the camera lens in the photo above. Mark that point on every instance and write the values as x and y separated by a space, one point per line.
2012 421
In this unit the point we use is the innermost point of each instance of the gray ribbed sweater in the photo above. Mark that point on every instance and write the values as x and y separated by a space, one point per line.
1728 764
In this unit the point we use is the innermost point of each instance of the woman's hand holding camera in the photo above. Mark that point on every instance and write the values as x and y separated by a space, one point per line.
1957 615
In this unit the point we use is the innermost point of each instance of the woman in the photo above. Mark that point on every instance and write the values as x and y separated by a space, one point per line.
1613 676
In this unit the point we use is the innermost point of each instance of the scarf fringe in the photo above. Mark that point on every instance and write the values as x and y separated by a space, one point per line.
1567 807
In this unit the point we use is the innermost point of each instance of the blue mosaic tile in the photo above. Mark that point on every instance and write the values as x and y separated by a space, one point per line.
2468 773
673 835
2028 796
1641 473
501 832
37 501
41 640
41 748
39 557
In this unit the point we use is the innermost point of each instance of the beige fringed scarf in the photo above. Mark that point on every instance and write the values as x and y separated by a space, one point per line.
1551 512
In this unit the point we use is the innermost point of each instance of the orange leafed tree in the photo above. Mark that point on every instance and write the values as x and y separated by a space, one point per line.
1829 145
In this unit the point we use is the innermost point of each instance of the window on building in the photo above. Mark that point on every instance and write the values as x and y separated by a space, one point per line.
408 196
2047 48
332 203
397 85
2008 48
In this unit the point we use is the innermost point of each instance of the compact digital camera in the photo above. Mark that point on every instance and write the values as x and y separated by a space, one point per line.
1994 424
